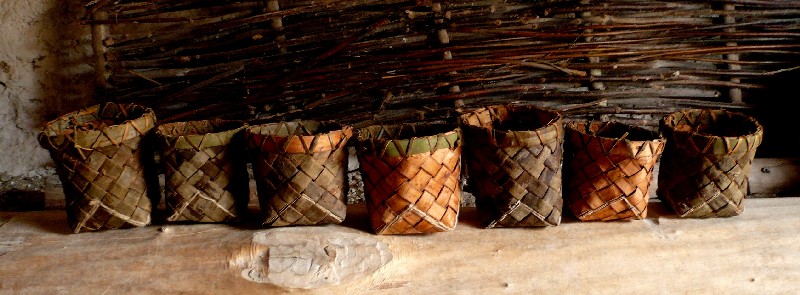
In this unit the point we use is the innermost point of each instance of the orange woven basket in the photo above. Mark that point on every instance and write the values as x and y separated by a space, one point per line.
205 170
608 169
411 177
300 170
514 156
707 161
99 160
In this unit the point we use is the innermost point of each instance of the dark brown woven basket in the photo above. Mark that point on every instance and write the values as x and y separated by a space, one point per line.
205 170
411 177
514 156
99 161
608 169
300 171
707 161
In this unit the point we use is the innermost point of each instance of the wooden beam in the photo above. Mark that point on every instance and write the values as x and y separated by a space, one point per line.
755 253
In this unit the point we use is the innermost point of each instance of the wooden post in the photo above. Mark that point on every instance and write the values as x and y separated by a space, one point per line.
734 93
99 37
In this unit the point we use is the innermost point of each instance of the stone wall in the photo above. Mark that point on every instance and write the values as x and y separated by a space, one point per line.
45 70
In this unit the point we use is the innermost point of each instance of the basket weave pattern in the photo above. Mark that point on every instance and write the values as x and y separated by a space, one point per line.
300 171
99 162
517 173
411 183
206 176
706 164
610 167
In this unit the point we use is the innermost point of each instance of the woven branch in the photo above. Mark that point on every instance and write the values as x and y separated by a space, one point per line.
706 164
205 170
300 170
100 164
379 61
411 177
608 169
514 159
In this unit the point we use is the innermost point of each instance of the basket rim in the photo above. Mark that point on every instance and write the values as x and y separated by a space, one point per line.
477 119
224 129
220 128
706 143
55 136
328 127
512 109
374 138
259 135
573 127
667 122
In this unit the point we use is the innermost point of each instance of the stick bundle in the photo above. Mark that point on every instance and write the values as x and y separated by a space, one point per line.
373 61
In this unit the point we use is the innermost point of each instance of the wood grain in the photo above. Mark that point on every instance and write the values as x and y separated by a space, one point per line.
775 176
755 253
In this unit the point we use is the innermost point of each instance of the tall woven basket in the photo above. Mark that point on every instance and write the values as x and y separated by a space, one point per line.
514 156
205 170
100 163
707 161
608 169
411 177
300 171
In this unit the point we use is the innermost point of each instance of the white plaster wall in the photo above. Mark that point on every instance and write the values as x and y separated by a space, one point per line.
45 70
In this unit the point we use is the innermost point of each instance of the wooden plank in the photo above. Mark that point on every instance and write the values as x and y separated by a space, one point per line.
755 253
775 176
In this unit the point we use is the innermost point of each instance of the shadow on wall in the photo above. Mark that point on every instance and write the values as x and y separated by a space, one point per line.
68 68
778 116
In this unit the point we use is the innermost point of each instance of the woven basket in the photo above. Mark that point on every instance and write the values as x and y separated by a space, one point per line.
205 170
300 171
411 177
99 161
608 169
514 155
707 161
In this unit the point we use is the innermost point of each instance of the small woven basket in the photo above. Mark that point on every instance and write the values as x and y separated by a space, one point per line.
205 170
707 161
608 169
100 163
411 177
514 156
300 170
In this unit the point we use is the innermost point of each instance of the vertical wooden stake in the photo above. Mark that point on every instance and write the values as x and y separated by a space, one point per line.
277 24
444 39
734 93
99 37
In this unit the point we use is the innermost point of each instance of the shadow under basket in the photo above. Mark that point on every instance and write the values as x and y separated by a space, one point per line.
205 170
706 164
608 169
411 177
514 156
300 169
99 161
